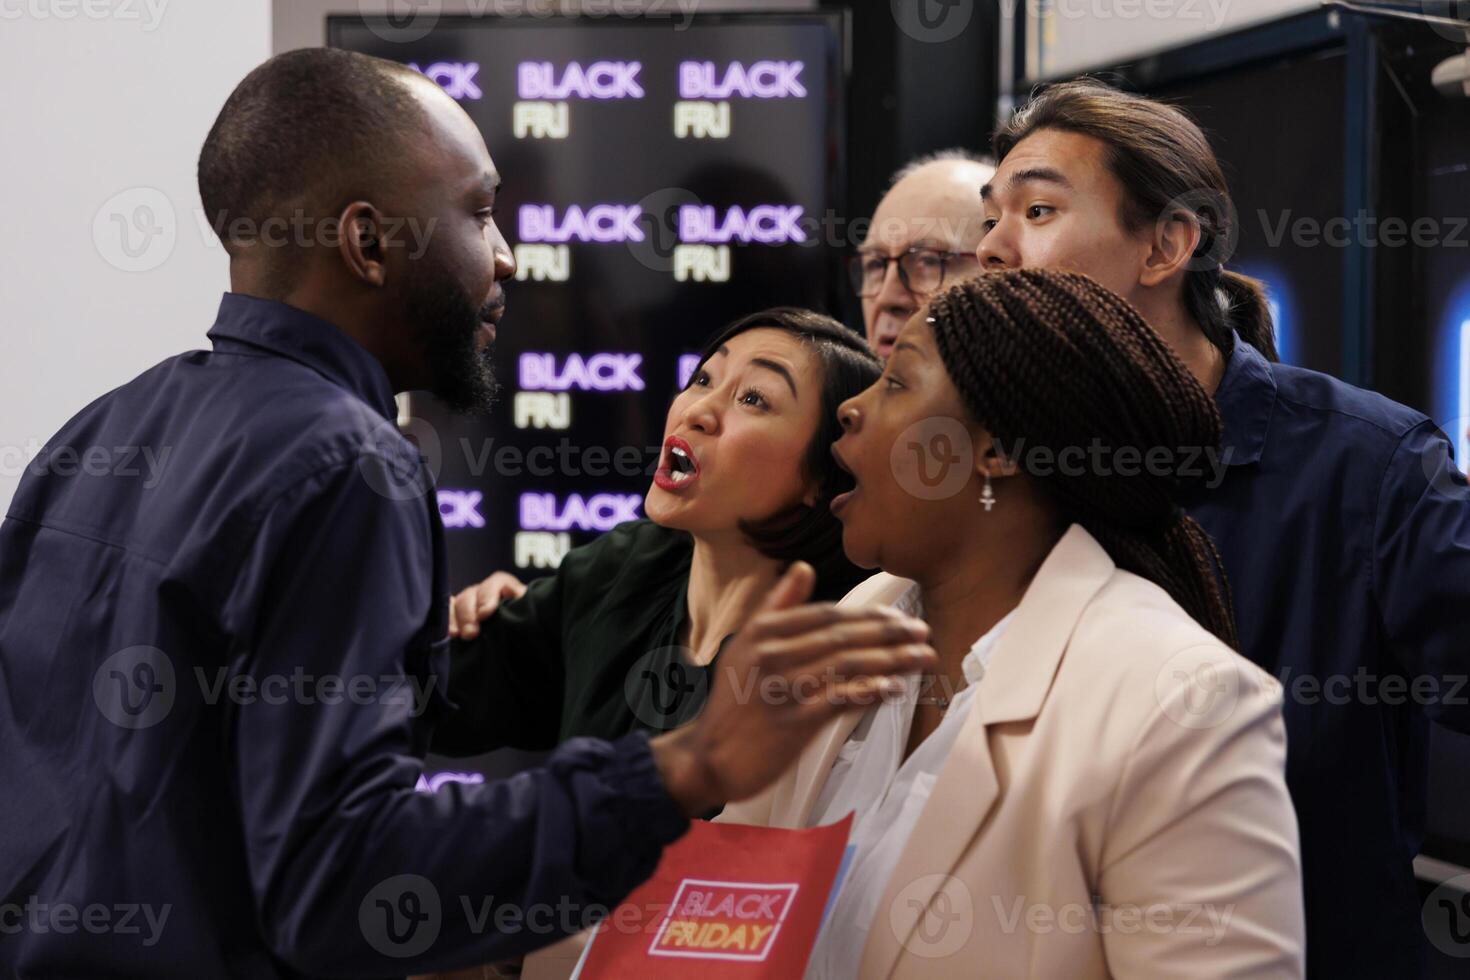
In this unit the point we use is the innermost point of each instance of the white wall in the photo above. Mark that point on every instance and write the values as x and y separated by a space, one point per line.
105 98
1068 37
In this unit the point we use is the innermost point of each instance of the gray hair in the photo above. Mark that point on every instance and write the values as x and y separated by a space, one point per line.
938 156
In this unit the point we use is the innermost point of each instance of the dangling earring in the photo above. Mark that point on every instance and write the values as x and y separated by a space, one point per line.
987 494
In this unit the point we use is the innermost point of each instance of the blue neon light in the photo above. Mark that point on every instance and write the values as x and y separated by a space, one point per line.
1282 301
1462 436
1450 399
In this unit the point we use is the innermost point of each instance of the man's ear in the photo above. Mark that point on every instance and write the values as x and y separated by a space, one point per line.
1175 238
362 246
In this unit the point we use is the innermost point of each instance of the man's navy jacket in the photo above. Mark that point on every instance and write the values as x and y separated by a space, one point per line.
222 649
1344 527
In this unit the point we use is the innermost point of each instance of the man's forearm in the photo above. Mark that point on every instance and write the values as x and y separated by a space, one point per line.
505 867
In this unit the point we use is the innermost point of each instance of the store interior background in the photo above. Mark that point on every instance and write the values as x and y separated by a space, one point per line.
1321 112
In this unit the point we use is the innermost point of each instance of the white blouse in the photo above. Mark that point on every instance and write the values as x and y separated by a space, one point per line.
886 792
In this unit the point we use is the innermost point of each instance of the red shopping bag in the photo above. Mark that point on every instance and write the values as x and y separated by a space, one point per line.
727 901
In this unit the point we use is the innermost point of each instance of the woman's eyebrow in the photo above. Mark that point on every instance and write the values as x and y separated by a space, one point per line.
779 369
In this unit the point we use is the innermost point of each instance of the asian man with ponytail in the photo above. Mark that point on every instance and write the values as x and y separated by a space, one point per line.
1342 521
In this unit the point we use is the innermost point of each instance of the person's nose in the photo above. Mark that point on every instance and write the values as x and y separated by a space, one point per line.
997 250
702 414
505 263
850 415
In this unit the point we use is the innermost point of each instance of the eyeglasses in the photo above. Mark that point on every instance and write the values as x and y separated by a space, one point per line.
921 270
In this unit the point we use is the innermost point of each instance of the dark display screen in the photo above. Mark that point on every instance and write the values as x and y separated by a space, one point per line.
1283 159
661 178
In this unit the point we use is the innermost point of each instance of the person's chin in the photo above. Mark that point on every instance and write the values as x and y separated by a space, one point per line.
470 388
858 548
662 508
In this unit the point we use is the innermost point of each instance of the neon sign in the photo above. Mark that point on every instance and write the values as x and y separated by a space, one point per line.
461 508
1462 437
702 263
543 263
688 363
599 80
1281 301
542 410
430 783
1451 371
600 512
599 223
702 120
768 224
541 120
600 372
455 77
539 549
761 80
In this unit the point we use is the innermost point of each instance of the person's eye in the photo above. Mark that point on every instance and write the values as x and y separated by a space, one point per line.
1039 211
890 383
486 215
988 225
928 261
872 264
700 378
754 398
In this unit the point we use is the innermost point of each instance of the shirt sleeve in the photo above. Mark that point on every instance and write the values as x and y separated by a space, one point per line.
1421 573
507 683
354 872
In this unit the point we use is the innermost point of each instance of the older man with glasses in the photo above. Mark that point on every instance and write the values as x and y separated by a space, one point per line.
923 237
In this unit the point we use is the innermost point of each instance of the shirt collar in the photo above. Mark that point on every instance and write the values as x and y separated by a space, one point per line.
306 339
1246 398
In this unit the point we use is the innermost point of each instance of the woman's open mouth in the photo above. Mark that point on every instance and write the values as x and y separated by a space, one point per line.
846 480
678 469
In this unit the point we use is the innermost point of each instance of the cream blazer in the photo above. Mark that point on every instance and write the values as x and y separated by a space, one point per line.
1114 806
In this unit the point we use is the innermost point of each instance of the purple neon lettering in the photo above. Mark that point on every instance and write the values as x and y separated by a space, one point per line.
767 224
430 782
760 80
455 77
461 508
600 512
602 223
687 365
599 80
597 372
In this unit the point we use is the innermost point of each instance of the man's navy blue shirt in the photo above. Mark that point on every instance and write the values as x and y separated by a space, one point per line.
1344 527
220 662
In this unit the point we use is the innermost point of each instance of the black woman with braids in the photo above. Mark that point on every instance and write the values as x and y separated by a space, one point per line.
1090 783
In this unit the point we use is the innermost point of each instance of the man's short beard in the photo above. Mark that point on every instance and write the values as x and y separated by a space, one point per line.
446 324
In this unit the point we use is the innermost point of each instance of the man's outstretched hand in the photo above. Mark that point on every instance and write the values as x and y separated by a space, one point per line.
793 668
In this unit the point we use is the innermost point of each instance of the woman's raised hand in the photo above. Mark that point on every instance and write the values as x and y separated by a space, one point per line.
793 668
478 603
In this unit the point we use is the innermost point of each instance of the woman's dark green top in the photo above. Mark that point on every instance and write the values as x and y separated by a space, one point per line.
590 650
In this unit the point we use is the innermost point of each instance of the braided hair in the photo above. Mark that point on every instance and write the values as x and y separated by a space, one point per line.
1048 360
